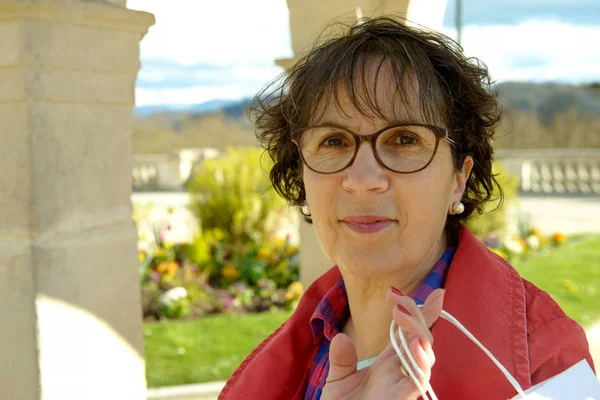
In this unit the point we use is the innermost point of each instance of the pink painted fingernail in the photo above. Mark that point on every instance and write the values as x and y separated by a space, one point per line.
422 344
404 310
398 292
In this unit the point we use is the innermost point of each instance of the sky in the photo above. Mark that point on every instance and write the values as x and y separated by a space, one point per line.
202 50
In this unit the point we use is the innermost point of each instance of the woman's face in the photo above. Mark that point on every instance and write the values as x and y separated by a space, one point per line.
412 208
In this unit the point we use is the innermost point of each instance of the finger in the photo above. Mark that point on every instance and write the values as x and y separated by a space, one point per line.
432 308
427 314
411 325
407 318
342 358
394 297
424 362
423 359
413 330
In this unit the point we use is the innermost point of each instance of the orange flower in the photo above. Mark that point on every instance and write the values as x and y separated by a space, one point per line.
559 238
230 272
168 268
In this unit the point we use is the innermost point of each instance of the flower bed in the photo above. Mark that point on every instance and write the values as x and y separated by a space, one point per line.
209 275
523 245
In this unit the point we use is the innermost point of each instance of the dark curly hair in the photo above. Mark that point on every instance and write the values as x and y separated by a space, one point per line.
454 90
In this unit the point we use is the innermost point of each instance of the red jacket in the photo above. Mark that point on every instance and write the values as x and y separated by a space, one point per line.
519 323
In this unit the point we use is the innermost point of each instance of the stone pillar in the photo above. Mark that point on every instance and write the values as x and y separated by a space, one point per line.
69 287
308 18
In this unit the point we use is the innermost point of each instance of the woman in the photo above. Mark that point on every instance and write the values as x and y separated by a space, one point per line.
383 137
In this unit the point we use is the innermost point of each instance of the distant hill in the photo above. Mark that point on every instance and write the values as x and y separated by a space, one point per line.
548 99
536 116
202 108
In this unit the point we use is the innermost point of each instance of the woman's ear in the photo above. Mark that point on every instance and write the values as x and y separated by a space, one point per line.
462 176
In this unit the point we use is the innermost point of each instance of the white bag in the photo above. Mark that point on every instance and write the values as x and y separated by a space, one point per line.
576 383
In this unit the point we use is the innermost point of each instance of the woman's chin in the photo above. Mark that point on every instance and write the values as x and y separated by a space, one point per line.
369 265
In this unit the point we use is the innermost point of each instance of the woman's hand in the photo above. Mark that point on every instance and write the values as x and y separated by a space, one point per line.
384 379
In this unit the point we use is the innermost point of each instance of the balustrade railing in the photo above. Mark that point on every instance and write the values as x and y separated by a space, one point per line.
169 171
554 171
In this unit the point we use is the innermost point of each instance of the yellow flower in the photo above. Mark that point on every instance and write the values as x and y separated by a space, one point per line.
500 253
168 245
571 286
218 234
294 291
262 253
291 250
160 253
559 238
142 256
230 272
280 240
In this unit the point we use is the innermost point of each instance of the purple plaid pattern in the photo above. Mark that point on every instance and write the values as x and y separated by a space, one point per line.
332 313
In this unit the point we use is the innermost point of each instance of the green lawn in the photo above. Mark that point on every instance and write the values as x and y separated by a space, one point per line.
571 275
203 350
210 348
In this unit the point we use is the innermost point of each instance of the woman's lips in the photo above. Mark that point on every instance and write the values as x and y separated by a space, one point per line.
367 224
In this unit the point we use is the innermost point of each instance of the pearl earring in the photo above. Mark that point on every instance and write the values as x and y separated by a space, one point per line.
305 210
458 208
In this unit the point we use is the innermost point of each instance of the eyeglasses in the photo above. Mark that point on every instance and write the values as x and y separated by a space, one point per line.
401 148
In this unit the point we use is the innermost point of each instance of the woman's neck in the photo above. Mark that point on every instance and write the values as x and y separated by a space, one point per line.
370 314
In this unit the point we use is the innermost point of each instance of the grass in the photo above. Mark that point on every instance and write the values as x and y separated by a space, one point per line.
571 275
210 348
203 350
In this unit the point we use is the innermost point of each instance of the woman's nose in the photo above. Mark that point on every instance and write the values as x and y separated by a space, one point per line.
365 175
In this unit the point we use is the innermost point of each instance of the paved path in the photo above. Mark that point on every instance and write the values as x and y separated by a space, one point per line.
562 214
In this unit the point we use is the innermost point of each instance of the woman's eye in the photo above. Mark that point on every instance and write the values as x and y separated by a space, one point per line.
406 139
333 141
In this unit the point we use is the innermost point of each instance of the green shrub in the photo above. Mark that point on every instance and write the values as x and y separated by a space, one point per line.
233 194
493 220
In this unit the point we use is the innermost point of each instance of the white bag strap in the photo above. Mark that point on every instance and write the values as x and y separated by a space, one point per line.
416 368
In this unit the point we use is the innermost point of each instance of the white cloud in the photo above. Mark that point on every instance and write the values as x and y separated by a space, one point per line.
220 32
536 50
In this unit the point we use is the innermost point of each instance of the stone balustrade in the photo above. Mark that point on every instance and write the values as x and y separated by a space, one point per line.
167 172
554 171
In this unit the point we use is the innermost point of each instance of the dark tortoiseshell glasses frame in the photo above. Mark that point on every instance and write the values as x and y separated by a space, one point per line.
440 133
